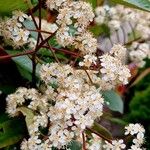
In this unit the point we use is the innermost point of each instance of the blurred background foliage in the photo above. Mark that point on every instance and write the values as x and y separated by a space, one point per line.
137 102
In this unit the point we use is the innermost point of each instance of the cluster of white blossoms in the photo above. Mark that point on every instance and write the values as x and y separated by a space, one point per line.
73 19
131 129
114 145
66 110
108 15
139 52
69 104
71 99
95 143
12 29
138 131
56 4
113 70
115 16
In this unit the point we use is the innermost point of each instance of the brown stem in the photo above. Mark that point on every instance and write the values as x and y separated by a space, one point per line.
88 76
36 48
84 143
16 55
34 9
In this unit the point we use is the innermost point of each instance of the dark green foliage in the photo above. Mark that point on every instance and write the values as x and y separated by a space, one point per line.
139 111
138 106
12 130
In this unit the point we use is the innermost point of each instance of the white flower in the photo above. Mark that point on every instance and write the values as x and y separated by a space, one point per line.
55 4
21 35
88 60
20 15
119 51
139 51
138 130
86 43
135 147
113 71
114 24
116 145
134 129
83 121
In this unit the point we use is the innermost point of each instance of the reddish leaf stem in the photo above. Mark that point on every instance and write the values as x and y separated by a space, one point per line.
16 55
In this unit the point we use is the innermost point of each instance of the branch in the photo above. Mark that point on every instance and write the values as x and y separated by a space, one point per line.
16 55
84 143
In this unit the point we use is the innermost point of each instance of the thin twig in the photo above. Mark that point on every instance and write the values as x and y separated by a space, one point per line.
16 55
84 143
53 53
36 48
88 76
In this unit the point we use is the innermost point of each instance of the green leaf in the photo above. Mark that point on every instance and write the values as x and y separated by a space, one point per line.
7 6
12 130
28 113
74 145
100 29
93 3
34 1
115 101
24 65
141 4
102 130
30 25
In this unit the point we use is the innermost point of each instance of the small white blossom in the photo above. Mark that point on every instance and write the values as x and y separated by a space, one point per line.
115 145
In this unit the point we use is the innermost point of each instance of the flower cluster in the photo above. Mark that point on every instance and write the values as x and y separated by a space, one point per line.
13 30
138 52
115 145
138 130
73 19
113 71
56 4
70 107
95 143
115 16
131 129
108 15
71 99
